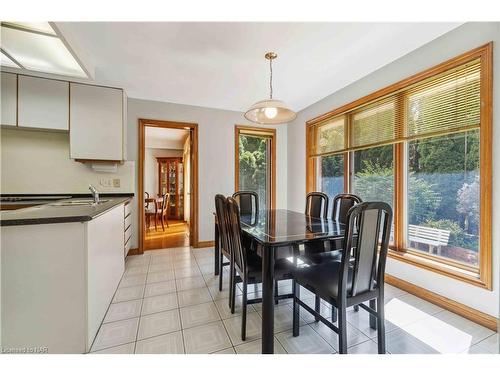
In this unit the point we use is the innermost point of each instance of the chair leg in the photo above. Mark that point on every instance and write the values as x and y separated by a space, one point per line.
233 292
334 314
373 319
356 308
221 268
381 326
276 301
317 307
296 308
342 330
244 312
166 218
162 224
156 222
232 296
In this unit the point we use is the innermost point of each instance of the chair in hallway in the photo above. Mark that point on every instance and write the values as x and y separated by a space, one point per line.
358 276
163 210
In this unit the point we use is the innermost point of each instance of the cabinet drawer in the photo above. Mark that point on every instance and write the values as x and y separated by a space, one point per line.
128 209
127 247
128 233
128 221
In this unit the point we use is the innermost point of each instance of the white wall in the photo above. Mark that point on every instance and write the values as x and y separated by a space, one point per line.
460 40
37 162
215 153
151 167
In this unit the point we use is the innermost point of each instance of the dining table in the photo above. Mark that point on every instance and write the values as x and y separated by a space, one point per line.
272 229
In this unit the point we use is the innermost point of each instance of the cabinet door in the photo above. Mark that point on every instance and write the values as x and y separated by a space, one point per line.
43 103
96 122
9 98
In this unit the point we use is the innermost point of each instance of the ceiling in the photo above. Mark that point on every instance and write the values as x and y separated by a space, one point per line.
165 138
222 65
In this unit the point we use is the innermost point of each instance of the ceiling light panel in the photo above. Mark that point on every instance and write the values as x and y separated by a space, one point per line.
40 53
6 61
41 27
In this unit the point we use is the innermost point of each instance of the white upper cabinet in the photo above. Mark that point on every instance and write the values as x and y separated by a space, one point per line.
9 98
43 103
96 118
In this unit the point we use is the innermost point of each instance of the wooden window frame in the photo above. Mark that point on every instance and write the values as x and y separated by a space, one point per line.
482 275
267 132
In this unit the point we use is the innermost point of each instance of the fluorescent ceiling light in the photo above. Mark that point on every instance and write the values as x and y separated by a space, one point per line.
7 61
41 27
40 51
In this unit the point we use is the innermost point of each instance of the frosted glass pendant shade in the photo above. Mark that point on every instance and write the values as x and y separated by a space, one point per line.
270 111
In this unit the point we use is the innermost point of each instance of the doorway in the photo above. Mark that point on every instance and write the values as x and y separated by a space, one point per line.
255 163
168 174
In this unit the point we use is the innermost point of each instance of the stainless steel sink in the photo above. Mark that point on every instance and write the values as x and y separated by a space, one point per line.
78 202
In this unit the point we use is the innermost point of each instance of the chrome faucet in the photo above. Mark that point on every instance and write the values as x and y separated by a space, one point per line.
95 194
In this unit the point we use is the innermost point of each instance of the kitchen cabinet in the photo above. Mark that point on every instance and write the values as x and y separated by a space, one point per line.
43 103
97 122
58 280
8 98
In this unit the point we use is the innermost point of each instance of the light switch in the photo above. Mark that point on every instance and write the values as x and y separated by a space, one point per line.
116 182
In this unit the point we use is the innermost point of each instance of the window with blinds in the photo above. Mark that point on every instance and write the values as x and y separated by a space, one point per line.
443 104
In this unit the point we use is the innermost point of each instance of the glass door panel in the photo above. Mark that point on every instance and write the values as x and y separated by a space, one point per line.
255 166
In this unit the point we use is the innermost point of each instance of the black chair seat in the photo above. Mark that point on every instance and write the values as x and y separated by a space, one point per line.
322 279
254 268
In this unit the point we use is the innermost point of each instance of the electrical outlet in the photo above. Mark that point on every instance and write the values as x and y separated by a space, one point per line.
116 182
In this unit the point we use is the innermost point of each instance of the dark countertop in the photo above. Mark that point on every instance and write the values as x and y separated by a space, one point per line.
52 212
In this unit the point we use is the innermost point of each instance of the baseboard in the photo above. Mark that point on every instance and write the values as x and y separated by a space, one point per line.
134 252
467 312
204 244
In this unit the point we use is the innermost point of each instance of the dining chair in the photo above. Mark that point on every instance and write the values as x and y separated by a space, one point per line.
248 265
146 197
163 210
224 247
151 212
248 202
316 204
358 276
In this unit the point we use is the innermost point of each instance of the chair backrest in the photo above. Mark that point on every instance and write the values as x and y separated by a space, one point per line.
342 203
146 196
238 252
248 201
222 221
164 203
367 234
317 204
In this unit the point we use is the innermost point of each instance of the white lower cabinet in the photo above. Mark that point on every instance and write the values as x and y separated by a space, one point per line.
58 281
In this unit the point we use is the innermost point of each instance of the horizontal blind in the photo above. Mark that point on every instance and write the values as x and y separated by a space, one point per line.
374 124
329 136
446 103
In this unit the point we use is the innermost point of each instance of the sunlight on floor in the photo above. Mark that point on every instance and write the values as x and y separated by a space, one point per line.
434 333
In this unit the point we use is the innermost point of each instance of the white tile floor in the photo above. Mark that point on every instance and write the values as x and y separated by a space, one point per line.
168 301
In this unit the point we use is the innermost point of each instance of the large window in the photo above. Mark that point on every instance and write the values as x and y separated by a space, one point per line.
423 145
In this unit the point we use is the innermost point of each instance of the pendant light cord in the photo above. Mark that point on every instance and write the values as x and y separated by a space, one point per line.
271 78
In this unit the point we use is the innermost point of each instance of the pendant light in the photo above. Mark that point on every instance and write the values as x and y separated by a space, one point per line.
270 111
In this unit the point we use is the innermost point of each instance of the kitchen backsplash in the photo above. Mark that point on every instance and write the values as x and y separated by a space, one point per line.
36 162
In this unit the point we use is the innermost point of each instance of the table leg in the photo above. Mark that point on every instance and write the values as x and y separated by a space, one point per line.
267 300
216 250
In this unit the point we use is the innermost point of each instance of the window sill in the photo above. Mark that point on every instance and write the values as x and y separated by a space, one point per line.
454 272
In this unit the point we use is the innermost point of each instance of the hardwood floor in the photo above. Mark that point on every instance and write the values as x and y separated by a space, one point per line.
176 235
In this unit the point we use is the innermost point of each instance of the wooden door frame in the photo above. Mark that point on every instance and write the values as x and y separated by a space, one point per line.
268 132
193 206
